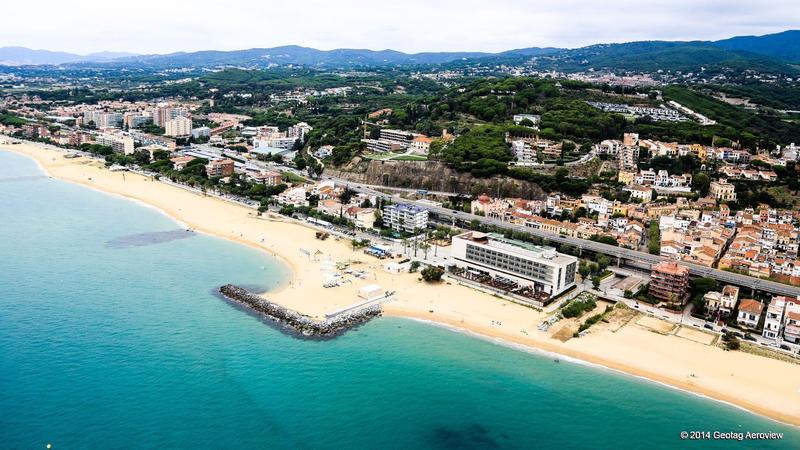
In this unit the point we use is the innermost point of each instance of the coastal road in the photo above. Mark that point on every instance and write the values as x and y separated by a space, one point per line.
623 254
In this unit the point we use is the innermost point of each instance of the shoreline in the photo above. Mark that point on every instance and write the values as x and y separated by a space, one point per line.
587 362
195 228
468 310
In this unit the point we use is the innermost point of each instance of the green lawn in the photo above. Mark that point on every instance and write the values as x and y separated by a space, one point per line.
292 178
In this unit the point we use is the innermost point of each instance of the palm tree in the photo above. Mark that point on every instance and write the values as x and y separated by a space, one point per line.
425 247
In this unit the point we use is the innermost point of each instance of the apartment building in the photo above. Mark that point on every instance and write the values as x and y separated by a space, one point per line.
525 154
669 282
103 119
201 132
135 120
220 168
630 140
78 138
293 197
299 131
163 114
609 147
629 156
268 178
782 320
539 268
404 217
179 126
118 143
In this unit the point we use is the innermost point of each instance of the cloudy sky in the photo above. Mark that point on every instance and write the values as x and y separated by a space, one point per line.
163 26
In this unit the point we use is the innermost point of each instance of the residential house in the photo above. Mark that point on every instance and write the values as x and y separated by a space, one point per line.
749 313
180 162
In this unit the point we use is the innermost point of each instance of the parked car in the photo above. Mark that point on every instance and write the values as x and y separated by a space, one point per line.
747 337
708 326
785 347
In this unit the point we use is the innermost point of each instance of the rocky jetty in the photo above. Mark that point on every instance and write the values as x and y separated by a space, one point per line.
303 325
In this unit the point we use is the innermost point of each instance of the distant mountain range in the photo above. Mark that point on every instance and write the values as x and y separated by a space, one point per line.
771 53
785 45
21 56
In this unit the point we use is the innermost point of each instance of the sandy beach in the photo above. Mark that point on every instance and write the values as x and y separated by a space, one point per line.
765 386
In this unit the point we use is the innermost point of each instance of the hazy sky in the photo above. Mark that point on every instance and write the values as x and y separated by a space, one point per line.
162 26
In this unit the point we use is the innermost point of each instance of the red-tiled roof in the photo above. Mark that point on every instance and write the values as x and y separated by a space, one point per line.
751 306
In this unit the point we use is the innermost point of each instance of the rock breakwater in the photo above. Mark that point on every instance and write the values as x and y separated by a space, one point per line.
304 326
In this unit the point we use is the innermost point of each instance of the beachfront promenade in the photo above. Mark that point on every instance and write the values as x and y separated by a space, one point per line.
622 254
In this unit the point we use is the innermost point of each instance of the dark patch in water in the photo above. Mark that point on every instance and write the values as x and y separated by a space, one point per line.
471 436
150 238
22 178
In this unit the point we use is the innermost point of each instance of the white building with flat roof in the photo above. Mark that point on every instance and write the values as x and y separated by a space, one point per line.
405 217
542 269
118 143
273 145
782 319
201 132
179 126
164 113
404 137
299 131
525 154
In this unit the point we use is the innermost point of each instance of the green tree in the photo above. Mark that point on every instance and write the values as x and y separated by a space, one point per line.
432 274
584 270
654 235
701 183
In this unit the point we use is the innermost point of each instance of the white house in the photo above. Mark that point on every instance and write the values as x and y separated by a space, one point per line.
643 193
749 312
295 197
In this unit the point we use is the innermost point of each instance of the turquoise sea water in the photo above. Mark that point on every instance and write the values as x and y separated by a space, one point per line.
111 337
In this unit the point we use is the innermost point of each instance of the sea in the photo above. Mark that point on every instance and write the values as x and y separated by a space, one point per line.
112 336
